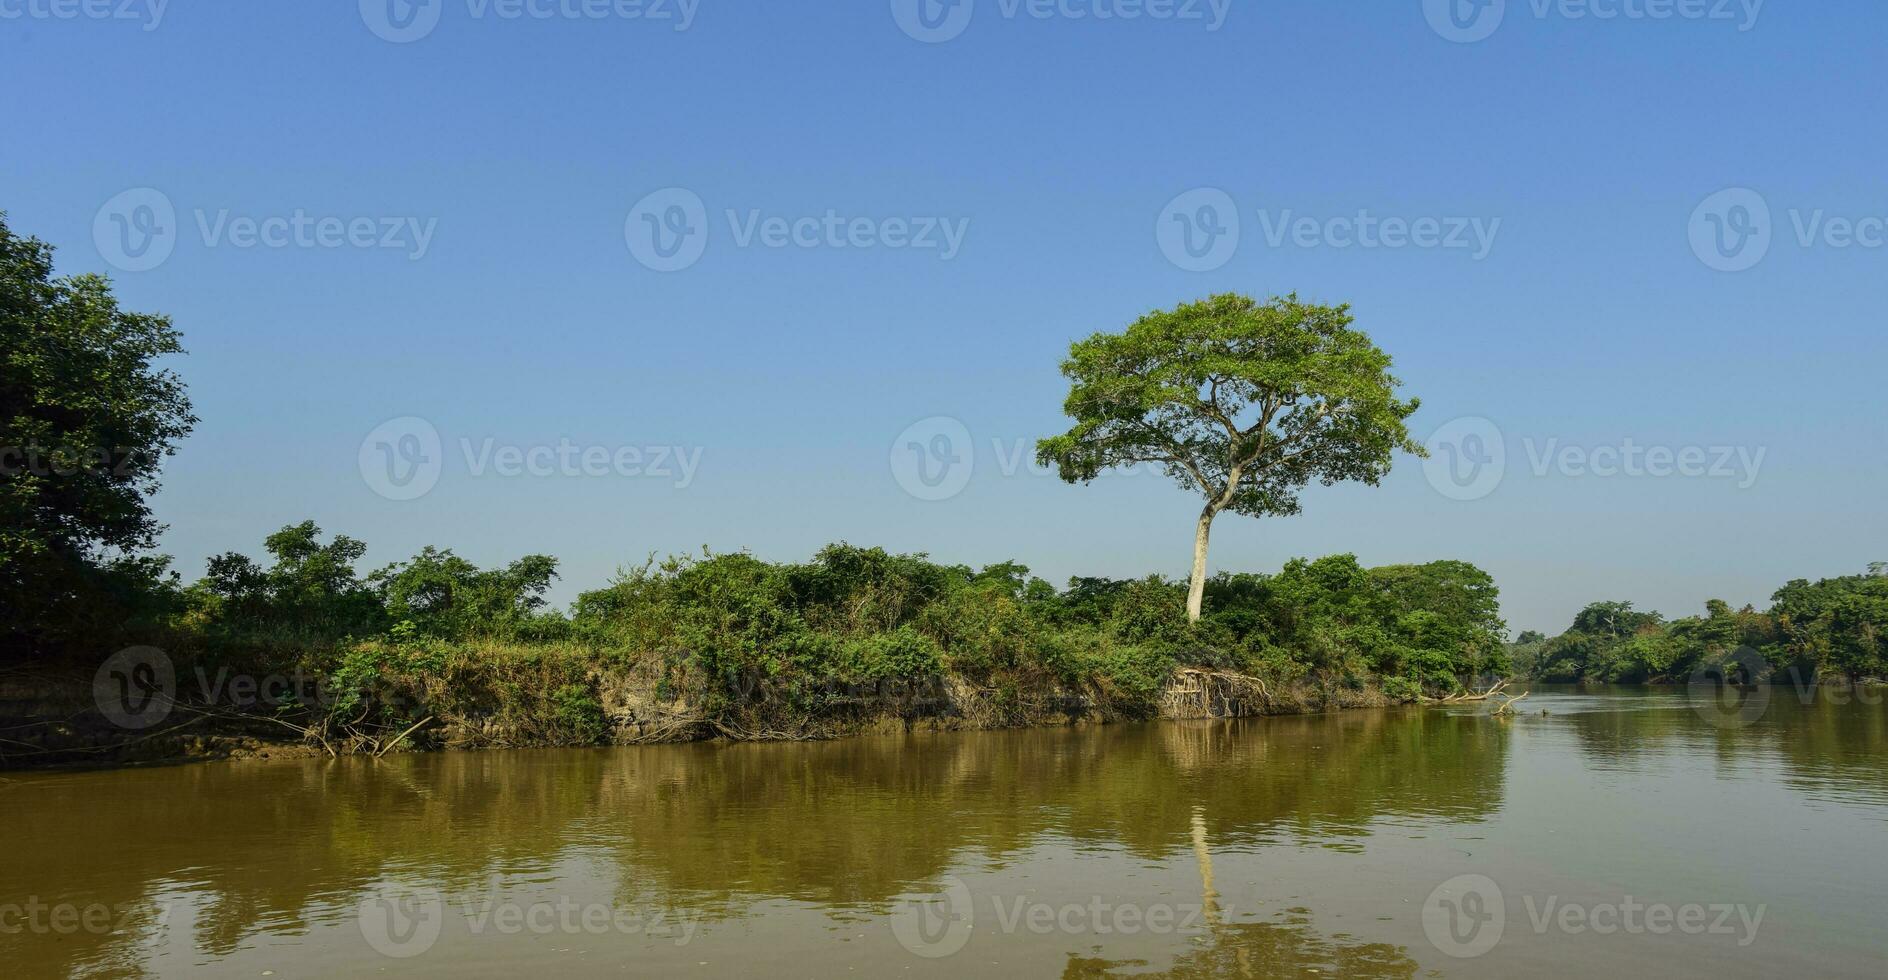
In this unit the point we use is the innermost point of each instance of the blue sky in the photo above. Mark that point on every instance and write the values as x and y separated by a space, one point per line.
511 310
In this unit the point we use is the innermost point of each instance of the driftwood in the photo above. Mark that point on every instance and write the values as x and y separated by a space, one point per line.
1507 707
397 739
1500 691
1475 696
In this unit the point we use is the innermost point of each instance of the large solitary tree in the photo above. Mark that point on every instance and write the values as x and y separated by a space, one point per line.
1245 402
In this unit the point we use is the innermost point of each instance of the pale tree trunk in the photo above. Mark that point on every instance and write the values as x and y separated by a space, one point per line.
1196 590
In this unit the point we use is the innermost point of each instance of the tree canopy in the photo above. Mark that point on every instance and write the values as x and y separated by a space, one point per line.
86 419
1245 402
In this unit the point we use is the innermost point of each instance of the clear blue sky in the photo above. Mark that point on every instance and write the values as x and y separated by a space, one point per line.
1591 320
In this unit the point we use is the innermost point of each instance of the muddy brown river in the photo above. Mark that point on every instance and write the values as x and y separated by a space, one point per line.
1625 832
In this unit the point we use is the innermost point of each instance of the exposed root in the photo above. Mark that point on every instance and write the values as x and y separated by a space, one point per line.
1196 692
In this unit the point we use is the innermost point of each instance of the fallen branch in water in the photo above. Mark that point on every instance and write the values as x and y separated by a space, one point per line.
401 737
1472 696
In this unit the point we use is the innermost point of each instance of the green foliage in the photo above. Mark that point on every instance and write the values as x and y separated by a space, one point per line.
443 595
1835 627
1244 402
310 593
86 417
1401 689
576 710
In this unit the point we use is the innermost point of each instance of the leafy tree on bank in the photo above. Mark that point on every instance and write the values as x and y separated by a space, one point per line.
446 596
1245 402
312 594
86 419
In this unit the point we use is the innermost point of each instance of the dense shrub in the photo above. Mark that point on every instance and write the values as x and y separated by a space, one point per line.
753 642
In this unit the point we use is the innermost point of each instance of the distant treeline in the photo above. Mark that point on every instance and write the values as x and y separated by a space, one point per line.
1833 628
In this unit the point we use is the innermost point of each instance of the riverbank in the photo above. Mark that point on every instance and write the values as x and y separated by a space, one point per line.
511 697
307 654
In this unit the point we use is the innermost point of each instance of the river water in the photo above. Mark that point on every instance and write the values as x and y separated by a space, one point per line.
1623 832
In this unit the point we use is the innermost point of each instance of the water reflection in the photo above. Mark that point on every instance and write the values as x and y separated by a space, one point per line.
1261 949
1827 743
784 836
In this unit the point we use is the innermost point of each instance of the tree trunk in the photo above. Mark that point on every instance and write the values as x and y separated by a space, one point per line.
1196 591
